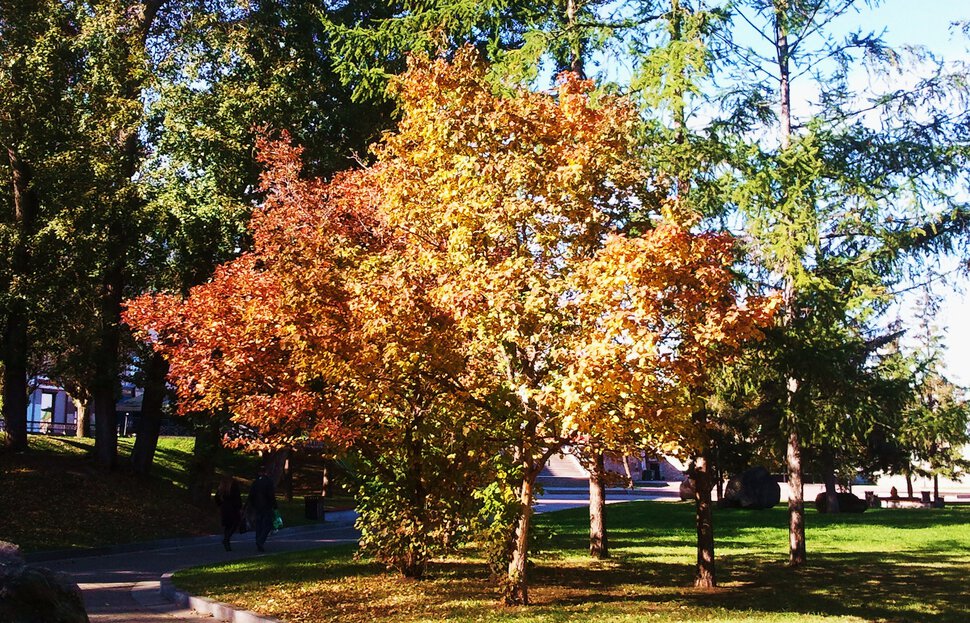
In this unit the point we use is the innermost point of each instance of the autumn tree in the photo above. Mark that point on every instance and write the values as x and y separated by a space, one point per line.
224 342
480 269
321 332
522 204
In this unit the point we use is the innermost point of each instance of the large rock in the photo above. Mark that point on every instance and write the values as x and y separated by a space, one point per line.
848 503
31 594
10 554
754 489
687 489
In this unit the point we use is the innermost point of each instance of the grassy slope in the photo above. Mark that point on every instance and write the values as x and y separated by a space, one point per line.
881 566
54 497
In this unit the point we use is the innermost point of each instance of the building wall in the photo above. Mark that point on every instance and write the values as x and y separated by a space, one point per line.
645 467
50 411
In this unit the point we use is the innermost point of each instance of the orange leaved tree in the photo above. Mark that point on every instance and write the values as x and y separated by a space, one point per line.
324 332
238 343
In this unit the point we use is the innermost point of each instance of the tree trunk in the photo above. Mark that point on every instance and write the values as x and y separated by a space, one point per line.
16 338
288 479
909 485
106 385
576 64
276 465
704 514
208 442
80 417
628 472
705 577
118 240
831 492
598 545
150 424
414 561
796 501
784 74
15 397
936 487
517 586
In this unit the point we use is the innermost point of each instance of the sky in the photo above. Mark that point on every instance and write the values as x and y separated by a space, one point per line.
927 22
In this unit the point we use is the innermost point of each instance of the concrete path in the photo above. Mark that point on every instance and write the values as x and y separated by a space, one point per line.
124 587
557 499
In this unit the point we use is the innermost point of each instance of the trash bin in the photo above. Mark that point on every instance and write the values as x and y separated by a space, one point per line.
313 506
925 495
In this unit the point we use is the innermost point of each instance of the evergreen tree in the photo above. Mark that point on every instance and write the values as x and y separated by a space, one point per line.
832 201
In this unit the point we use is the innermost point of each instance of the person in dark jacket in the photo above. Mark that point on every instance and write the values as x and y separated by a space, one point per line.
262 503
229 500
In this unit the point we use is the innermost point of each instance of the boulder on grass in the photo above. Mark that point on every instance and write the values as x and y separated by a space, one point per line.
753 489
848 503
687 489
31 594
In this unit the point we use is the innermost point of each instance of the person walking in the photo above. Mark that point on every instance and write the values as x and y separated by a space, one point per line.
262 504
229 500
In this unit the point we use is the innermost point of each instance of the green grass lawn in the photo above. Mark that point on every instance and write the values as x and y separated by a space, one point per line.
54 496
884 565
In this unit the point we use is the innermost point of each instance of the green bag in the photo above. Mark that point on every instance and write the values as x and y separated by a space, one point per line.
277 521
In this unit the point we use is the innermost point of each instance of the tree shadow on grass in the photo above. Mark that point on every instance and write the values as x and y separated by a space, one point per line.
873 586
924 585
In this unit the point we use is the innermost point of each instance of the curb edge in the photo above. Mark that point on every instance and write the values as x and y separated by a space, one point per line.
203 605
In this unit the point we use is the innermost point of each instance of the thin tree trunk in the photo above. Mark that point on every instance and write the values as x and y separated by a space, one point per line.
150 424
719 476
414 561
936 487
705 577
517 585
784 73
288 478
598 544
626 470
16 338
796 501
80 417
909 485
576 63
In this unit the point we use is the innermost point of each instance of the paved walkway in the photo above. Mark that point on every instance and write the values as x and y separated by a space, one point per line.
558 498
124 587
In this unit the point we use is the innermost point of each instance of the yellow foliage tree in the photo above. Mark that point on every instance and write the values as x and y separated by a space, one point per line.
521 203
